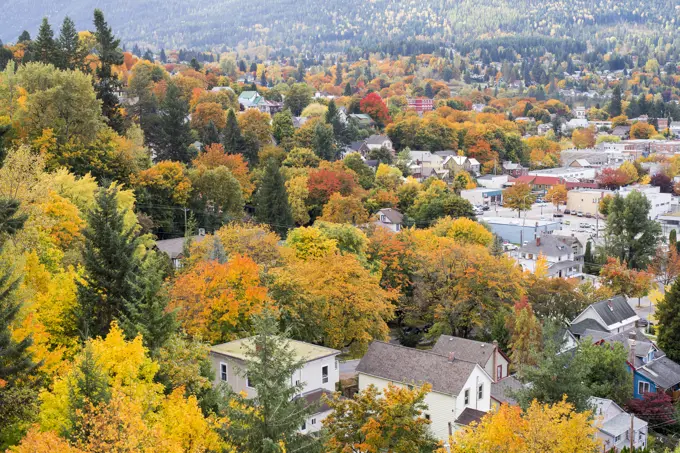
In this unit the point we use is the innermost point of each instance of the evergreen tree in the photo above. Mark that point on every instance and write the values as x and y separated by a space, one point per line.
300 73
171 136
339 127
107 83
242 66
338 73
323 142
615 104
18 395
148 56
4 130
270 422
136 51
194 64
271 200
112 282
210 134
348 90
231 136
672 238
589 260
668 314
24 37
428 91
44 48
71 56
163 57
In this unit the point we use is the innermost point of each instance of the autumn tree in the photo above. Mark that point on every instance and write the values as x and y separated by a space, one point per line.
518 198
612 178
298 98
641 130
558 427
665 265
373 105
463 231
624 281
668 315
525 334
557 195
340 209
583 138
373 422
270 421
217 192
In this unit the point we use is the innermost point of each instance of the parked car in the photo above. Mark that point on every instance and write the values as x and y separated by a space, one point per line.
567 211
558 214
589 215
485 207
579 214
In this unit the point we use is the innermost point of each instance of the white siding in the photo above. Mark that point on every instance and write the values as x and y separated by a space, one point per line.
477 377
441 407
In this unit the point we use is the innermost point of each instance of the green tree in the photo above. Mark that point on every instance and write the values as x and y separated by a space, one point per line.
231 136
668 314
338 73
339 127
269 422
17 394
348 90
218 191
170 137
107 82
630 234
589 260
354 162
271 200
210 134
323 142
615 104
299 97
607 375
71 54
283 129
672 236
44 48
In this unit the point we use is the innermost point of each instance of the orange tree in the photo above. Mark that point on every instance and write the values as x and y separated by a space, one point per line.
557 194
518 198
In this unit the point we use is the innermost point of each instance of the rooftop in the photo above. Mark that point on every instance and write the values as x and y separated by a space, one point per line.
464 349
303 351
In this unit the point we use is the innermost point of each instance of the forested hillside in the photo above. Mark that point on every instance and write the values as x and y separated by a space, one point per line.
338 25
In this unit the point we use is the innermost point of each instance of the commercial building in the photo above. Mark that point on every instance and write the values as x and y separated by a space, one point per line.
482 196
586 200
517 231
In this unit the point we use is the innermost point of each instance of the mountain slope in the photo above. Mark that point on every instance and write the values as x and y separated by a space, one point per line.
336 24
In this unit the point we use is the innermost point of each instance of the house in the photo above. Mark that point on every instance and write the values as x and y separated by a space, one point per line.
457 384
623 132
517 231
502 390
566 172
424 164
539 183
253 100
318 375
361 119
586 201
614 426
174 248
560 253
486 355
658 375
514 169
376 142
575 123
391 219
493 181
543 129
456 164
248 99
610 315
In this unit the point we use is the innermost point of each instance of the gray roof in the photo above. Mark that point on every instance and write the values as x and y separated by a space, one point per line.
620 423
549 246
469 415
464 349
643 345
662 371
174 247
356 145
587 324
392 215
556 267
500 390
377 139
316 401
620 310
414 366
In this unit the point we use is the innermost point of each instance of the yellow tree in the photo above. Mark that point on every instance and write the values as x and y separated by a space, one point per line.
255 123
630 171
553 428
216 300
557 195
583 138
463 231
310 242
296 188
518 197
341 209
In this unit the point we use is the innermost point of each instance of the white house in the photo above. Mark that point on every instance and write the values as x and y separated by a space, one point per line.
461 390
560 253
493 181
610 315
614 426
390 218
486 355
319 374
378 141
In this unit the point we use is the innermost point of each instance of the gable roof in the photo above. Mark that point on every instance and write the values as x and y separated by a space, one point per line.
588 324
500 390
469 415
464 349
549 246
392 215
619 311
377 139
174 247
304 351
407 365
662 371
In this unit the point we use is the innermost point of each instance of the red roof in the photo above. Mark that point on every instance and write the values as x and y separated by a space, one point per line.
582 185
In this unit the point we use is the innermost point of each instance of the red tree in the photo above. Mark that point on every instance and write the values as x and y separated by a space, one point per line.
374 106
612 178
323 182
656 407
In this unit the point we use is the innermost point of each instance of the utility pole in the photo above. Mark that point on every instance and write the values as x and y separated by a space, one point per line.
185 222
632 431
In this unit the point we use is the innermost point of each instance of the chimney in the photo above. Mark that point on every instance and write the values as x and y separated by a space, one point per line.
538 241
631 349
610 304
493 362
451 356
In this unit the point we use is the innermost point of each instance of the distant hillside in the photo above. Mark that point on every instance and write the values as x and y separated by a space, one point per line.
339 24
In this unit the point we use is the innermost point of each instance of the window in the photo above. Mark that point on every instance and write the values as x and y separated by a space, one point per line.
480 392
643 387
324 374
336 364
223 372
248 383
304 425
499 371
427 416
467 397
313 421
